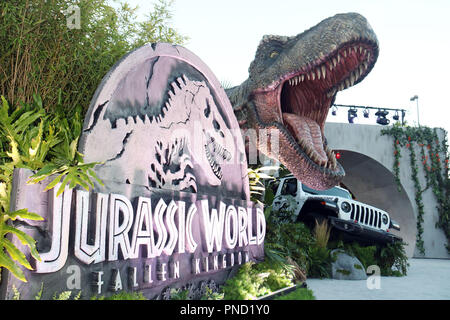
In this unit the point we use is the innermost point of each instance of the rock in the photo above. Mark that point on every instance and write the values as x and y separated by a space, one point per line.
346 267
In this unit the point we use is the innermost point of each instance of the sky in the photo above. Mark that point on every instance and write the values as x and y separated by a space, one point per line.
413 37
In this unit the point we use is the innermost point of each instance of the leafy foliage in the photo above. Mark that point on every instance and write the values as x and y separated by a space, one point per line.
391 257
65 295
123 295
39 53
298 294
435 169
365 254
256 177
47 143
255 280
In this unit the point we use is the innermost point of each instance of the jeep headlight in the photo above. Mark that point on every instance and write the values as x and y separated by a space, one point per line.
384 218
345 206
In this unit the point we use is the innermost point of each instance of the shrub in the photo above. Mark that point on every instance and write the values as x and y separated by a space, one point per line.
122 296
390 257
322 233
393 256
45 142
245 285
40 54
319 262
365 254
255 280
298 294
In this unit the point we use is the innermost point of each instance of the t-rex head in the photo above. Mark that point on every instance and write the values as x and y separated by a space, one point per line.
292 83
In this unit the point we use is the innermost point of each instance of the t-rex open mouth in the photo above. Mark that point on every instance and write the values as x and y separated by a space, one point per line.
292 83
306 96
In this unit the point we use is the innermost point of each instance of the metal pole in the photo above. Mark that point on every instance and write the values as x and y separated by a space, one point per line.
416 97
417 104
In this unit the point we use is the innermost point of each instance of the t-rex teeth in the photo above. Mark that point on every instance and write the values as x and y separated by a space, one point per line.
324 72
352 79
345 53
330 65
338 58
313 75
318 73
347 83
334 62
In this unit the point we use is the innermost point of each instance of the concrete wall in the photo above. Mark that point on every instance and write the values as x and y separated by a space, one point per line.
368 159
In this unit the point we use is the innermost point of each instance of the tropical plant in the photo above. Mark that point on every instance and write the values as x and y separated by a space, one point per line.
256 177
256 280
298 294
392 259
64 295
365 254
43 142
123 295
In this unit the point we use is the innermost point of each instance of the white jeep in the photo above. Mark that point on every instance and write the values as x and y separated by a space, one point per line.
354 219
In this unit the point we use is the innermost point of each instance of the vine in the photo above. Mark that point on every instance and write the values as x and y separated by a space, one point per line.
435 170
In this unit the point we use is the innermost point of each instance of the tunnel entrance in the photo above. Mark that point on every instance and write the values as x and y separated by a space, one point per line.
372 183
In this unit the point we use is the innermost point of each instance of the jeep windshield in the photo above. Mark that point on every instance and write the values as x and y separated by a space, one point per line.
337 192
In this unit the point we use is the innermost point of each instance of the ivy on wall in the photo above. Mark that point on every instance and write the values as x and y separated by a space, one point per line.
435 171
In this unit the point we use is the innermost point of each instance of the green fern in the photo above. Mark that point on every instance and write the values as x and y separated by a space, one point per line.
47 144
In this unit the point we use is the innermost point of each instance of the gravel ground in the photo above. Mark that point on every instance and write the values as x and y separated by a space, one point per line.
427 279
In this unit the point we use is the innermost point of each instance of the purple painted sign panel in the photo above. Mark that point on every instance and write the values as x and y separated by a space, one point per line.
174 210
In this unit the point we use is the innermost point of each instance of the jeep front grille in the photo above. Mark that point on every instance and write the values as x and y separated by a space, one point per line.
365 216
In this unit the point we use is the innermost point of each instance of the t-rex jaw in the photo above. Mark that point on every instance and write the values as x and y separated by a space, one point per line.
292 83
301 100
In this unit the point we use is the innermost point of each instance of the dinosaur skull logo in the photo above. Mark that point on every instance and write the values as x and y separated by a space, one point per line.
164 126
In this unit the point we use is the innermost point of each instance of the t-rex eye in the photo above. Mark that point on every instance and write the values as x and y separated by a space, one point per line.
273 54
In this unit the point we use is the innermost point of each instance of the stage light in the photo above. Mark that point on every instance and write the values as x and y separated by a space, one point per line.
396 116
381 117
352 114
333 110
366 113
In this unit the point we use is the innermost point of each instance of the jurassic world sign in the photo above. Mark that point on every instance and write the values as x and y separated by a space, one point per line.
174 210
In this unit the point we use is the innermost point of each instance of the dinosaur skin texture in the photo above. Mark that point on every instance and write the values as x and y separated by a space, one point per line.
293 81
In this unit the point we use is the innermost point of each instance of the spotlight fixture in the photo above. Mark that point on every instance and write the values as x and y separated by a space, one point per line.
366 113
333 110
352 114
396 116
381 117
